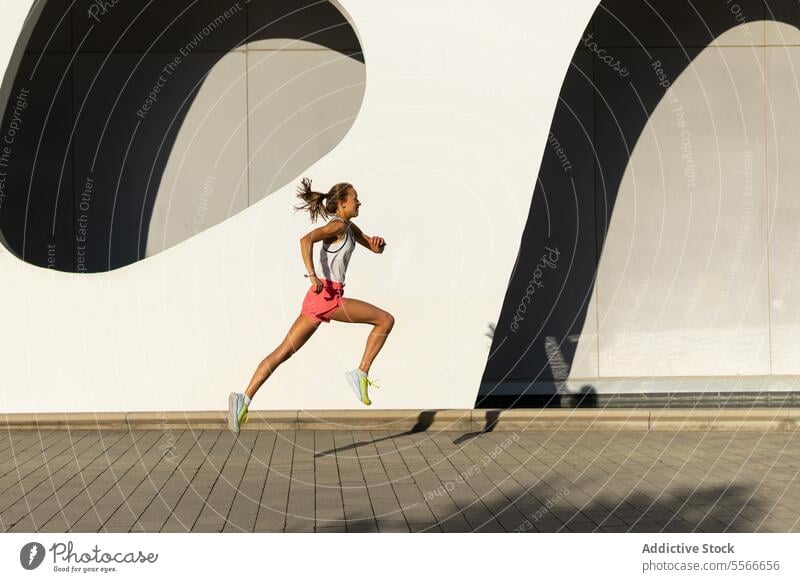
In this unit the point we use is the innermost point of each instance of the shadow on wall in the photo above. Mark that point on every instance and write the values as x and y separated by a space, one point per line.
611 89
132 126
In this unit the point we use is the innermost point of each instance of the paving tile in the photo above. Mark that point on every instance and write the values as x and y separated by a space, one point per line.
367 481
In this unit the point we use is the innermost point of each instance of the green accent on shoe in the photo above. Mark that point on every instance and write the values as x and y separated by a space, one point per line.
237 411
364 384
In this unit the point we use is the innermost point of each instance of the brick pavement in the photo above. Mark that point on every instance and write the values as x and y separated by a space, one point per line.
364 481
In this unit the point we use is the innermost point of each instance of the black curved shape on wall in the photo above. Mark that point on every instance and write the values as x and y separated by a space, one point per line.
75 152
580 175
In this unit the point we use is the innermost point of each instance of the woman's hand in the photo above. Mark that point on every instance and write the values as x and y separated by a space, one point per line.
377 244
316 284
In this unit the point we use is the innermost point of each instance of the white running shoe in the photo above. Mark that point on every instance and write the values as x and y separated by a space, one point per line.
360 384
237 411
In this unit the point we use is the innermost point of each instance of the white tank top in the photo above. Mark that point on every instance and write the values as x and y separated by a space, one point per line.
331 261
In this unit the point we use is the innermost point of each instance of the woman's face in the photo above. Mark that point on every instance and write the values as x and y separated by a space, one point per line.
351 203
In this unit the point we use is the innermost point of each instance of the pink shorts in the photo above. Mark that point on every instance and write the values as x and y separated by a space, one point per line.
320 305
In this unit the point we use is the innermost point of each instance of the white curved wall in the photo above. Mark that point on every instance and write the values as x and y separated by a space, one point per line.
694 289
444 154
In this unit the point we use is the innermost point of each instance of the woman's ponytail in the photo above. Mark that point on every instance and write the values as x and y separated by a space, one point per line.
318 204
312 201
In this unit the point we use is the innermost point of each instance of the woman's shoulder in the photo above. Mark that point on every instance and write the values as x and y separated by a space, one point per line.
347 223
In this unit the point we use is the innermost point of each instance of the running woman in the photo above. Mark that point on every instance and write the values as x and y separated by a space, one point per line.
324 301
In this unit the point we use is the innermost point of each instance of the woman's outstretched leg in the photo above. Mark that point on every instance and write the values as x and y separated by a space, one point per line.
238 402
357 311
302 329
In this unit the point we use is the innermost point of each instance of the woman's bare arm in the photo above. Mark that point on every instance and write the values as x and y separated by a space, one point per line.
373 243
331 230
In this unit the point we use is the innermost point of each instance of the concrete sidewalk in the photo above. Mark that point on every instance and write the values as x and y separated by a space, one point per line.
378 480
